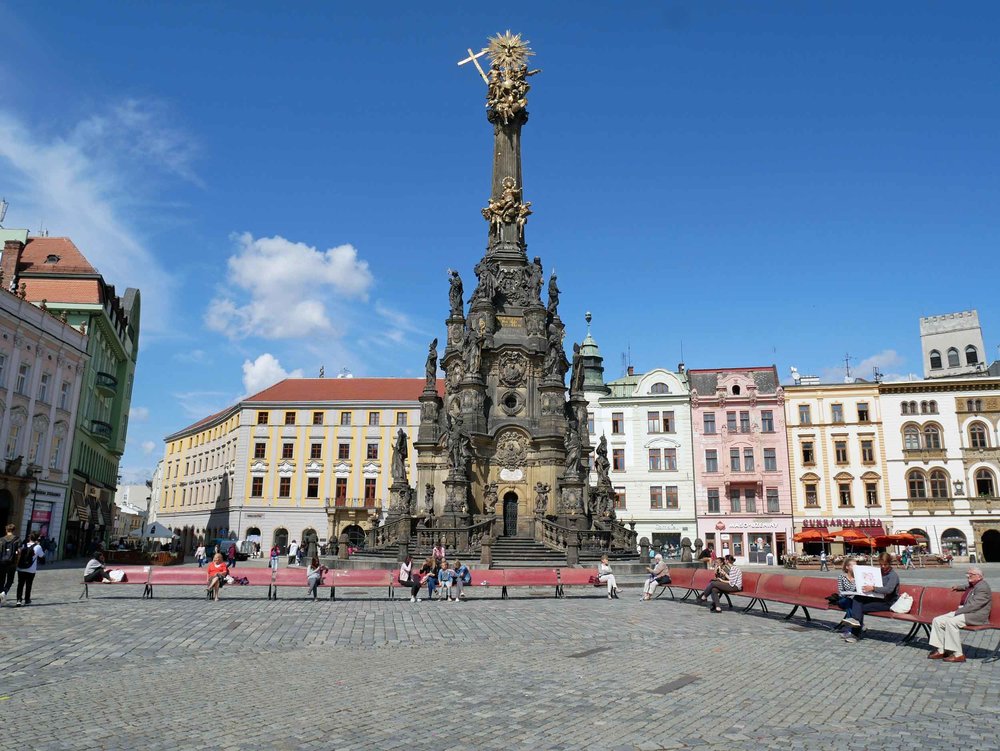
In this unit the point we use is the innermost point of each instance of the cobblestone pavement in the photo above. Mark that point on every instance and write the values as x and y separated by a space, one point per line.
179 672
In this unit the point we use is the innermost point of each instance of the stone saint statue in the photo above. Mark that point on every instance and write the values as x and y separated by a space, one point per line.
576 379
458 448
455 293
399 454
554 365
601 464
472 351
535 280
553 295
490 498
574 450
429 499
486 289
541 498
432 367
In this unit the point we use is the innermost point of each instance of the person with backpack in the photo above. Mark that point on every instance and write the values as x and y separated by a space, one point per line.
28 556
8 560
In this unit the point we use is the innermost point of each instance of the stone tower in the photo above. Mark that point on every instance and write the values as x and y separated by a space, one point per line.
506 441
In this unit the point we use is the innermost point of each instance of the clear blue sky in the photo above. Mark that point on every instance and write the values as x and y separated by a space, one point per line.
766 182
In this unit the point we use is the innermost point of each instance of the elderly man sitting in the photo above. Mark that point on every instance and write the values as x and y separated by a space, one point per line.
658 576
974 610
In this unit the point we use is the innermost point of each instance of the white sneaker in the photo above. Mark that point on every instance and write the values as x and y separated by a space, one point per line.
3 596
418 599
851 622
413 599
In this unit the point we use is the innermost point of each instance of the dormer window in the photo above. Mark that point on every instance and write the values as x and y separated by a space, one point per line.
659 388
736 390
52 258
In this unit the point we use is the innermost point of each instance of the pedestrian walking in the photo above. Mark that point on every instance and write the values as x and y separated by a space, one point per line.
9 545
28 556
822 561
231 555
293 553
274 555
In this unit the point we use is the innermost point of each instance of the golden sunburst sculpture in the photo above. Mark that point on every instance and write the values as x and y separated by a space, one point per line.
508 51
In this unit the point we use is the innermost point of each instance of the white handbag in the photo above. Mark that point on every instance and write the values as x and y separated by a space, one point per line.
903 603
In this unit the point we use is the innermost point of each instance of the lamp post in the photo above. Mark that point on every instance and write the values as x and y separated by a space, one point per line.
32 471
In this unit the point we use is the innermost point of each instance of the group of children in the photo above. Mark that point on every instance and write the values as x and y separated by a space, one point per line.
444 579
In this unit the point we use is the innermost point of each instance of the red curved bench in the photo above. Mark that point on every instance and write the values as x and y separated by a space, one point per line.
133 575
681 578
576 577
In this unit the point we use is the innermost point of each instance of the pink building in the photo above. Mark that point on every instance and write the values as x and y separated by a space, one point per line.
742 496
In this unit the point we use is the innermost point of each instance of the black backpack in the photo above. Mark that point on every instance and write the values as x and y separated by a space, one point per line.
26 556
8 549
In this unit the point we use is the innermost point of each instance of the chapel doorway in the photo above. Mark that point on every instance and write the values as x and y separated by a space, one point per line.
510 514
991 546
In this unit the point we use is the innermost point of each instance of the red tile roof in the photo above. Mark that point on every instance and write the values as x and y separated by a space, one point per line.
62 290
344 390
38 249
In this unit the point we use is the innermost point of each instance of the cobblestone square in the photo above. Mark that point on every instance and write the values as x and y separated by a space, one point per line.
532 672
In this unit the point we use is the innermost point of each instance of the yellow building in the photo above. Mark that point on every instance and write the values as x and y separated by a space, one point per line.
837 458
307 455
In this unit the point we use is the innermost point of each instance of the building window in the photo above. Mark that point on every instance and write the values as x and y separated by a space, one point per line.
372 452
844 492
256 487
373 418
262 418
317 418
939 484
744 422
259 450
340 491
911 438
748 465
837 412
935 360
670 497
667 419
284 487
971 355
64 392
871 494
617 423
55 455
23 376
932 437
370 491
750 496
590 423
978 436
43 387
713 501
618 460
711 460
812 499
401 419
654 460
953 360
343 451
770 460
915 485
985 484
659 388
619 502
652 422
766 421
655 497
709 422
840 452
734 501
316 451
731 422
808 455
772 501
863 414
805 415
345 418
734 460
289 418
868 451
670 460
312 487
3 370
288 451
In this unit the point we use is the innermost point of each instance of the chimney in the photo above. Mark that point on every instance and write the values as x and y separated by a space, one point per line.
11 259
631 370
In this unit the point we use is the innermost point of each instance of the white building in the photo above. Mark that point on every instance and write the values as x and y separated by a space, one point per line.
42 361
132 503
952 345
155 492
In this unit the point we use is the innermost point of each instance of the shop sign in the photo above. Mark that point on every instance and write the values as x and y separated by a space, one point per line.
847 523
749 524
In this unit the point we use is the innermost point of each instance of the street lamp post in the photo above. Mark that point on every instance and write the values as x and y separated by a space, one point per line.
33 472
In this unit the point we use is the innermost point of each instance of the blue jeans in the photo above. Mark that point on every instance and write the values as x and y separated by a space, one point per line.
431 586
862 605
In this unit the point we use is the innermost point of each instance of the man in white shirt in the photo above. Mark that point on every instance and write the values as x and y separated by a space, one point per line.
27 564
293 551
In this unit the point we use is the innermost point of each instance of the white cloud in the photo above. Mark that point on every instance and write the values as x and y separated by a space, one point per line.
281 289
148 447
85 182
192 356
138 414
889 363
200 404
263 372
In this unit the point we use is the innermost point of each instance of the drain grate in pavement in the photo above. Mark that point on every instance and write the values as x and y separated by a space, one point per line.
590 652
681 682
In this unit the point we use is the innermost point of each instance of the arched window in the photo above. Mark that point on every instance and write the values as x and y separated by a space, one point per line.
953 361
932 407
939 484
659 388
736 390
913 408
935 360
911 438
971 355
916 485
932 437
923 408
954 542
985 483
904 408
978 437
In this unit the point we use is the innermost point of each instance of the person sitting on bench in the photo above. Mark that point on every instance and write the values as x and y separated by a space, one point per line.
407 578
875 599
605 576
95 571
658 576
974 610
463 578
728 579
217 573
